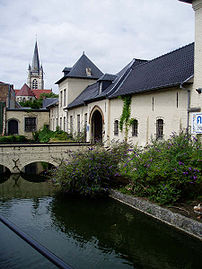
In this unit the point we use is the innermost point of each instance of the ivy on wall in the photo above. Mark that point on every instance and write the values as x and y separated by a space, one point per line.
125 117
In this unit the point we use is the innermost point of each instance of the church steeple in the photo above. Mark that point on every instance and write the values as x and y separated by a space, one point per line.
35 72
35 60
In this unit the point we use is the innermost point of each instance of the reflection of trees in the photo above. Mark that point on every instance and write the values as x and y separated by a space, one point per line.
17 187
116 227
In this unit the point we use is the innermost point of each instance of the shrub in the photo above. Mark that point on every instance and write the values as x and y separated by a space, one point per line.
45 135
13 139
166 171
88 172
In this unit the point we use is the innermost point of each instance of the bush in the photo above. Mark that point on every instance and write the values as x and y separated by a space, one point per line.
166 171
88 172
13 139
45 135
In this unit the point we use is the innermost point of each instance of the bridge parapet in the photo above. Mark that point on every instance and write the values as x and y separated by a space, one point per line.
16 156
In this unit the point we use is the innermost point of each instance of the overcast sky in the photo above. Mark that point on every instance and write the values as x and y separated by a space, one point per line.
111 32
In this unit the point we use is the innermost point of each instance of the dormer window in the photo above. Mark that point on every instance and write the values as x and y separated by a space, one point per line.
100 87
88 72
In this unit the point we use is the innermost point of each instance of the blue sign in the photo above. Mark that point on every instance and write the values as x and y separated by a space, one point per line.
197 123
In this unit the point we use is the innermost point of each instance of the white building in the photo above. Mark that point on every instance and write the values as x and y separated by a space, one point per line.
165 95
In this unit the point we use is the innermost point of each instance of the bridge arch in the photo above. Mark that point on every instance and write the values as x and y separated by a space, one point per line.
24 164
4 165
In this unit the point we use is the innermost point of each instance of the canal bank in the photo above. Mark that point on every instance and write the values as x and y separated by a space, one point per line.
187 225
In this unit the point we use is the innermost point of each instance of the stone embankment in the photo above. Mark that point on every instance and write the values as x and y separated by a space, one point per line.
176 220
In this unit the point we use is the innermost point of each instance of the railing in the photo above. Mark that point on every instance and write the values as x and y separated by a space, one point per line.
34 244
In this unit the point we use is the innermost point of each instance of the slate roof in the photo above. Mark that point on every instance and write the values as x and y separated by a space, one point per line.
79 70
169 70
35 60
49 102
91 93
186 1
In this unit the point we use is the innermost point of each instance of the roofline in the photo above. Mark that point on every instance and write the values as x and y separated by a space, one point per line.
186 1
151 89
63 78
28 110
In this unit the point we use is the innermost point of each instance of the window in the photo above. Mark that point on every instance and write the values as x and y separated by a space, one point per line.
64 97
85 125
177 99
61 123
61 99
30 124
78 124
152 103
56 122
34 84
116 127
159 129
135 128
71 124
64 123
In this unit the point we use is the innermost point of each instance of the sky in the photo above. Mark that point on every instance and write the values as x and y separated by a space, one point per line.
111 32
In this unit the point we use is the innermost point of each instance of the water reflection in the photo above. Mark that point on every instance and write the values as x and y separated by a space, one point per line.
133 236
17 186
88 233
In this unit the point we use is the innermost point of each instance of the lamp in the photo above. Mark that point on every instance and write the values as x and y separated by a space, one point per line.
199 90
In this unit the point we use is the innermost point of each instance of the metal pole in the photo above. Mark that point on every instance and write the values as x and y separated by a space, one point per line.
33 243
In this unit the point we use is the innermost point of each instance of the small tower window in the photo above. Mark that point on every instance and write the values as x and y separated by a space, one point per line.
135 128
116 127
34 84
159 129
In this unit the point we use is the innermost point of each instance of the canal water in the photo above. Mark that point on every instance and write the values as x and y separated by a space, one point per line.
100 234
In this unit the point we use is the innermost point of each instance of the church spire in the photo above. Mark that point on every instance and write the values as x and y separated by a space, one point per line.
35 60
35 72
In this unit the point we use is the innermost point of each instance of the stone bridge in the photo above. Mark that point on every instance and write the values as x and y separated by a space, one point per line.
16 156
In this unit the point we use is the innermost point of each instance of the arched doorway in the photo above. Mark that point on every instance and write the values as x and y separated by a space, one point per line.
96 127
12 127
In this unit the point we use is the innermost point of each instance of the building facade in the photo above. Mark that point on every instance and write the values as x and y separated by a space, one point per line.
165 96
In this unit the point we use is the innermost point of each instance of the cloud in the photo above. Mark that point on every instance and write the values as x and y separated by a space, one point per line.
111 32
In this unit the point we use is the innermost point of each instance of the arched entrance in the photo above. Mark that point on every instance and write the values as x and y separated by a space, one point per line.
12 127
96 126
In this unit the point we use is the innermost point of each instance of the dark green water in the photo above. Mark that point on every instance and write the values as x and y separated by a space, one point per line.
87 233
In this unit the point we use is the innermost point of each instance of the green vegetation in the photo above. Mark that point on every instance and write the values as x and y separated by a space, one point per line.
45 135
125 116
89 172
13 138
38 103
165 172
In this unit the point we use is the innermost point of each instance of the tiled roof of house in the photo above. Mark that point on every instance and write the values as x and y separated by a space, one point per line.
83 68
24 91
169 70
38 92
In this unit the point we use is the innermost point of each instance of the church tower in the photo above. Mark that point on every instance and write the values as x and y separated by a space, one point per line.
35 72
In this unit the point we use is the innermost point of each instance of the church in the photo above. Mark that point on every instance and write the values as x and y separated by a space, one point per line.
161 96
35 81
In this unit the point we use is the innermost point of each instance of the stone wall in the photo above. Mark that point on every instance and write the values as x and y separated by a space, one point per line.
178 221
